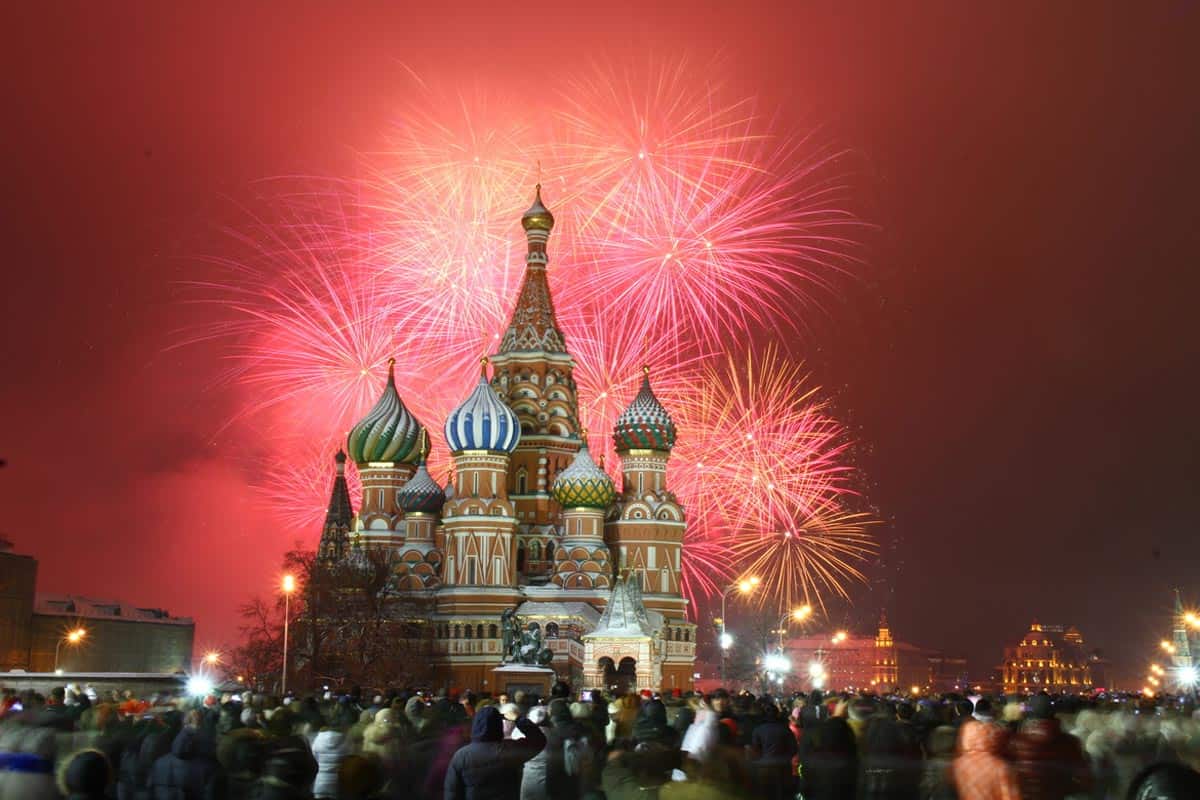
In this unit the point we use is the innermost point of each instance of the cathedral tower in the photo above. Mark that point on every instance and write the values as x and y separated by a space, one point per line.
646 536
581 563
384 446
479 567
339 517
533 375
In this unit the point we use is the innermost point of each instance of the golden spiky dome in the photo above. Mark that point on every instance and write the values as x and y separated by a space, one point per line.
538 217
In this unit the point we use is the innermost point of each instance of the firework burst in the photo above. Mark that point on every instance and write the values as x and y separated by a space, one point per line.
804 559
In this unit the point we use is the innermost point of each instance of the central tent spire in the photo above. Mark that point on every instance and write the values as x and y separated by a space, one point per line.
533 327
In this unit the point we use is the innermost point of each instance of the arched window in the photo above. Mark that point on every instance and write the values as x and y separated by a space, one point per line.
551 630
535 551
522 480
687 635
470 632
492 631
479 631
549 551
458 631
521 558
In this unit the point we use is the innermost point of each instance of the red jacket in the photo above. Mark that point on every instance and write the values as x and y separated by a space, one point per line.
1048 761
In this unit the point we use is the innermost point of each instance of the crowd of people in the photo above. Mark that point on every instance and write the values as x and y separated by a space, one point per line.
589 746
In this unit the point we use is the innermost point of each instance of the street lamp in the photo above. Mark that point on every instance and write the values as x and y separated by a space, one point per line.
796 615
71 637
744 586
289 586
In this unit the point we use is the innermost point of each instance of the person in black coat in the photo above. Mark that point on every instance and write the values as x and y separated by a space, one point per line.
489 768
891 758
190 771
773 745
828 761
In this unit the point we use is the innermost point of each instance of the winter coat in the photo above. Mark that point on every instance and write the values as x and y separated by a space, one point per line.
980 772
151 741
1049 762
533 776
27 755
383 739
490 767
188 772
702 735
828 761
773 773
890 762
329 749
287 773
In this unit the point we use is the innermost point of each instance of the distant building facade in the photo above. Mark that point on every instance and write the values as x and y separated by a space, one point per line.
1052 658
118 638
873 663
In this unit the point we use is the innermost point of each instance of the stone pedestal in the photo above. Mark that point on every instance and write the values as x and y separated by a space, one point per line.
528 678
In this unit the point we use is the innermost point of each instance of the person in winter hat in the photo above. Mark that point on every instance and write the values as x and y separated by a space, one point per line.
1048 761
85 775
490 767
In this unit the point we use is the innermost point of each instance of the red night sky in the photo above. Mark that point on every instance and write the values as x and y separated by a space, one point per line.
1019 359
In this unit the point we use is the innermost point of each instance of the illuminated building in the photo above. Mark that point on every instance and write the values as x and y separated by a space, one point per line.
879 663
529 521
1050 658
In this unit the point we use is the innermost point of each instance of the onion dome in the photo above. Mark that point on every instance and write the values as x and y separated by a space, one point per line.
538 217
583 484
421 493
389 430
645 424
483 421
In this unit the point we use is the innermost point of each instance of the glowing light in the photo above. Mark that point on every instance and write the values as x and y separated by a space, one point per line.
289 584
777 663
726 641
199 686
1167 646
1188 676
212 658
914 689
76 636
802 613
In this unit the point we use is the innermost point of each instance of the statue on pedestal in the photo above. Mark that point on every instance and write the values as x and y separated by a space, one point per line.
523 643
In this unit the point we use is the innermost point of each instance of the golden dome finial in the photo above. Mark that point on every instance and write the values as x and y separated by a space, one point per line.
483 362
538 217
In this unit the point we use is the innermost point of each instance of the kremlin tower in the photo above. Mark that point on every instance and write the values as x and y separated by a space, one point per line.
530 523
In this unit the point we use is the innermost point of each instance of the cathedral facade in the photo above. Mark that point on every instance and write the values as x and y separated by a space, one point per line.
528 520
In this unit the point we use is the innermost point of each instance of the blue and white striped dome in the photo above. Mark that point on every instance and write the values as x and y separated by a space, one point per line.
483 422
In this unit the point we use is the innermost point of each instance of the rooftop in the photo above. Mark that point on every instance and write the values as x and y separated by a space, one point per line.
71 605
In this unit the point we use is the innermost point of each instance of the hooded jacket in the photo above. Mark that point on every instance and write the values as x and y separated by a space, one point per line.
1048 761
330 748
188 772
980 772
489 768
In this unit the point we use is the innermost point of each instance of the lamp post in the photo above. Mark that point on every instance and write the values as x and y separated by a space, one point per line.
289 586
73 637
796 614
744 586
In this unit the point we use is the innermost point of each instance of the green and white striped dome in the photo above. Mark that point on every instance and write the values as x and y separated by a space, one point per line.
388 432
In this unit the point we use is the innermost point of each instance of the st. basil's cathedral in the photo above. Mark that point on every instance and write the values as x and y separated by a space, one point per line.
528 522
